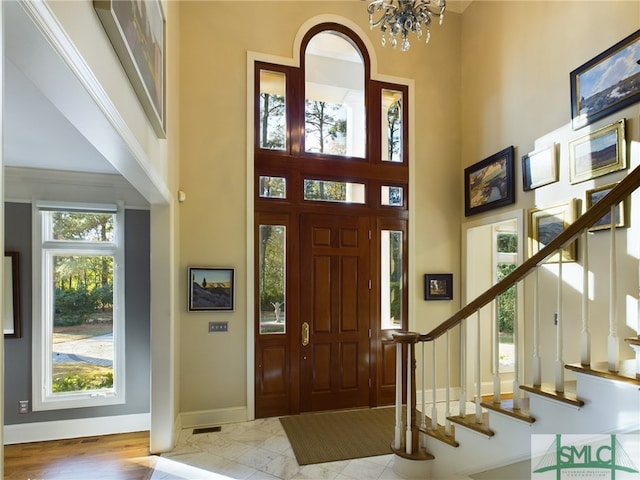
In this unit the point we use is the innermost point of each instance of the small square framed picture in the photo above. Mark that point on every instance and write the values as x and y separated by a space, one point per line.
211 289
438 286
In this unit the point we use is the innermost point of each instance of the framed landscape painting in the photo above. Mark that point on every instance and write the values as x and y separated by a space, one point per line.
598 153
606 83
211 289
489 183
438 286
620 212
545 224
136 29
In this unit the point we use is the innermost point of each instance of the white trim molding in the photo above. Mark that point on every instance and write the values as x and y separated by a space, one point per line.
80 427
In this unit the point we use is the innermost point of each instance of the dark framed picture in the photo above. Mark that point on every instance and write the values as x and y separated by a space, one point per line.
211 289
598 153
546 223
11 320
136 29
621 212
489 183
540 168
602 86
438 286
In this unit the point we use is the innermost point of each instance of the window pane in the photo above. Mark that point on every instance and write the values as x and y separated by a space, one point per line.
272 279
80 226
273 119
507 242
82 323
392 196
391 279
273 187
391 126
328 191
334 93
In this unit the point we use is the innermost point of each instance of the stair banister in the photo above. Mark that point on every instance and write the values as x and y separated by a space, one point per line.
613 329
585 337
559 322
617 194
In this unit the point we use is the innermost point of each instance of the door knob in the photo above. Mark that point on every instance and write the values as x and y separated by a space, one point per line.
305 334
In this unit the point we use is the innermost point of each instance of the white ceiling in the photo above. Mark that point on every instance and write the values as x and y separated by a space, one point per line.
36 133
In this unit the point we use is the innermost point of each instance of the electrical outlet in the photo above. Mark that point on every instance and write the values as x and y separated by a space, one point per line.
215 327
23 406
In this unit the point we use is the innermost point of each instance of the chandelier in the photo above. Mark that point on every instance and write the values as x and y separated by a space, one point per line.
398 18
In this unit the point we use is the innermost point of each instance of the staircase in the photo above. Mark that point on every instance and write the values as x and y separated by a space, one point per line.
451 433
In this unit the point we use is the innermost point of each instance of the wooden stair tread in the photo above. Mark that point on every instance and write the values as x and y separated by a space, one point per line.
626 372
506 407
567 397
439 433
421 454
469 421
633 340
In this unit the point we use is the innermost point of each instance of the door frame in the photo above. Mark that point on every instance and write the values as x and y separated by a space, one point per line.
294 61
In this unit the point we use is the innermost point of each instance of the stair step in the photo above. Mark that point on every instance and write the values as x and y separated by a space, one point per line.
506 407
567 397
469 421
626 372
439 433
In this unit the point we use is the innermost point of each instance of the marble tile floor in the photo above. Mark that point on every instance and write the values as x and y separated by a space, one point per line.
257 450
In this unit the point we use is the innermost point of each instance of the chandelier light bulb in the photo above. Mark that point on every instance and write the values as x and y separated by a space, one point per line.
403 17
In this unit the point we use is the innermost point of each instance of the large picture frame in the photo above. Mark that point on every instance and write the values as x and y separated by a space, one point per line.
136 29
621 212
489 183
540 168
211 289
598 153
546 223
438 286
595 95
12 323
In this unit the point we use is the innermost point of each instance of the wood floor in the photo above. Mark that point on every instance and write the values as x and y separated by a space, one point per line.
112 457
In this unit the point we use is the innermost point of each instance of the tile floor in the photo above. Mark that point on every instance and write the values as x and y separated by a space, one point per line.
257 450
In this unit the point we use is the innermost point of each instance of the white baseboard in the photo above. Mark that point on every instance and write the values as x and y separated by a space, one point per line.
81 427
213 417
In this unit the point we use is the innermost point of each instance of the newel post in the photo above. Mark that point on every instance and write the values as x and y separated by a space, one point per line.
411 440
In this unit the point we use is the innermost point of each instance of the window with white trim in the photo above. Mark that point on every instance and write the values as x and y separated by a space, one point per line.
78 305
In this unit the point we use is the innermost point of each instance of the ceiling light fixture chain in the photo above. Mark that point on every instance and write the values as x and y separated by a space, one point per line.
399 18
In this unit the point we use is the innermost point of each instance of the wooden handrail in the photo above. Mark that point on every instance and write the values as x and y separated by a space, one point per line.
617 194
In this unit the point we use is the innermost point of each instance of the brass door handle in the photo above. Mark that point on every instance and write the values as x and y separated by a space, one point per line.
305 334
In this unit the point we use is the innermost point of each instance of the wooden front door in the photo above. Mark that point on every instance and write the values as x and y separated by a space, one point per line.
334 312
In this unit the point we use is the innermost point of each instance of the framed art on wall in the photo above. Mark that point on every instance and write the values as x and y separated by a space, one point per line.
489 183
606 83
620 212
438 286
136 30
211 289
598 153
11 313
546 223
540 168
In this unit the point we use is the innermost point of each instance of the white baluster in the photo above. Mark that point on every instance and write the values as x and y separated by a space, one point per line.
496 354
408 437
516 349
447 413
585 337
537 371
478 372
559 331
434 411
423 423
613 328
462 407
398 431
